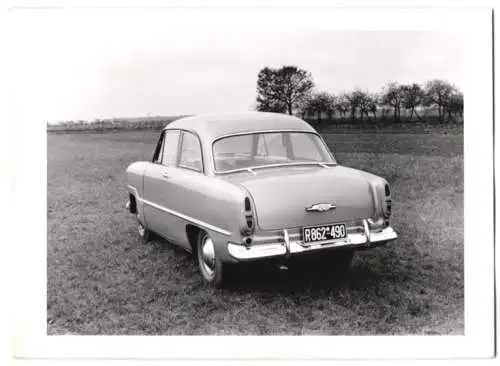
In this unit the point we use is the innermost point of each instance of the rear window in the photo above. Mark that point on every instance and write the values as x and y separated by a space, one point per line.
269 148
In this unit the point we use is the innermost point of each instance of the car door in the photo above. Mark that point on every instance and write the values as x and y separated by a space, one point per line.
158 188
186 186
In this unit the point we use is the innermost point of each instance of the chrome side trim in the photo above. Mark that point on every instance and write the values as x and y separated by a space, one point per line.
249 132
187 218
304 163
181 215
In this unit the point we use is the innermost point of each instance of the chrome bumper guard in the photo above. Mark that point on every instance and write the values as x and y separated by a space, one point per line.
287 247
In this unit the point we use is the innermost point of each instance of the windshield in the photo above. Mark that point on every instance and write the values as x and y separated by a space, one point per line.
269 148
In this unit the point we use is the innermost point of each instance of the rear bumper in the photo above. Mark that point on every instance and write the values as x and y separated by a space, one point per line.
367 239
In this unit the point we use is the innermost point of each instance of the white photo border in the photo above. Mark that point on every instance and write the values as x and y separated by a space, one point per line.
30 201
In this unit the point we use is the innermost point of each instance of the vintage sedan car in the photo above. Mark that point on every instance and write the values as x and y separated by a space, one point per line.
244 187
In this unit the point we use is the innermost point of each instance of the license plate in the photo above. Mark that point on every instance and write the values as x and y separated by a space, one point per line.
323 233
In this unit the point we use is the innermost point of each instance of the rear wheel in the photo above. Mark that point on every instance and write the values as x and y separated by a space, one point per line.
211 268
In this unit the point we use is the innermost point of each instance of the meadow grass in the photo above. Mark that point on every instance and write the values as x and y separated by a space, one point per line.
101 280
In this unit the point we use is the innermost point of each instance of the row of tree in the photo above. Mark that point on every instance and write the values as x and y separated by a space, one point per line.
289 89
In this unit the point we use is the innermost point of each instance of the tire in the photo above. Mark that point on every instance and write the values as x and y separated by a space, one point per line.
211 268
144 232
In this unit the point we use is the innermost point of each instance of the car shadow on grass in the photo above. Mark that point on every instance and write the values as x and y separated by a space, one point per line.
307 276
383 272
386 289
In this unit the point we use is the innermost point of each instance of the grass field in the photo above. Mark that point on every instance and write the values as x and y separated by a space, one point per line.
101 280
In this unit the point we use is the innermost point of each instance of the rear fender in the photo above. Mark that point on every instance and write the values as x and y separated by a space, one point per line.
135 186
213 205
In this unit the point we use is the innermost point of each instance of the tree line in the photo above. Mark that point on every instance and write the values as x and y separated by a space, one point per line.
290 89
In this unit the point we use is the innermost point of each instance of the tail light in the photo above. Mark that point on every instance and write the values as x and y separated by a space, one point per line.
387 190
388 202
248 206
249 219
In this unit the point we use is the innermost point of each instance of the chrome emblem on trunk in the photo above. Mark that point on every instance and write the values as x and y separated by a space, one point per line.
320 207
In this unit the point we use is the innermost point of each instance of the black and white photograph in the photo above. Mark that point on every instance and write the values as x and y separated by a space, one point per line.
259 172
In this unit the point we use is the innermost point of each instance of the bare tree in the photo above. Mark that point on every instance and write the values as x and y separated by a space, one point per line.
393 95
413 96
455 105
289 88
355 99
308 106
342 104
438 93
381 106
326 102
319 103
374 103
330 105
304 106
367 104
282 89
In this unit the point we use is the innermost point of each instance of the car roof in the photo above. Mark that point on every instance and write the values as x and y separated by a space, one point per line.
212 126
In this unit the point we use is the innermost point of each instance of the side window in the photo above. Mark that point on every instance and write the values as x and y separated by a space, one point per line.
190 152
159 149
171 144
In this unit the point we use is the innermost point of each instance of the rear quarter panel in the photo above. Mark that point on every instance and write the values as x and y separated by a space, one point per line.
135 178
213 204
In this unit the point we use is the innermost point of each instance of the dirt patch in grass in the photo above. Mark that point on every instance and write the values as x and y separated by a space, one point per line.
101 280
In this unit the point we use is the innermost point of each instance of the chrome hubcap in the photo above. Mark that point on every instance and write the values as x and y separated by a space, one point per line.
141 229
208 255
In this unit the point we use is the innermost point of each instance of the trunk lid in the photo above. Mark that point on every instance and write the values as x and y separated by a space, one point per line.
281 195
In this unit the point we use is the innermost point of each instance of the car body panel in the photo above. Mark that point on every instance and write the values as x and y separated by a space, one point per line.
159 190
188 197
274 192
203 201
135 179
212 126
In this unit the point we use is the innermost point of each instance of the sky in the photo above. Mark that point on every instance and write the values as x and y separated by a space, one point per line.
87 67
